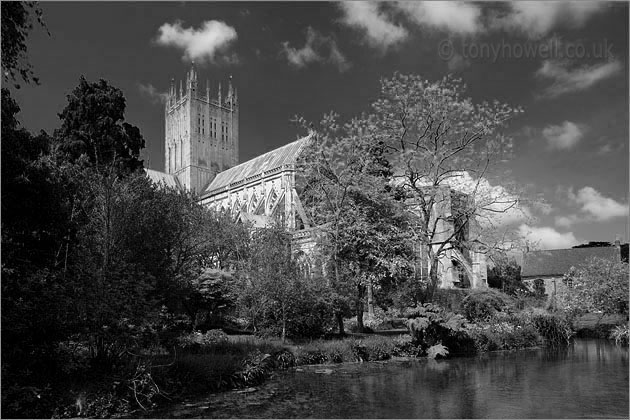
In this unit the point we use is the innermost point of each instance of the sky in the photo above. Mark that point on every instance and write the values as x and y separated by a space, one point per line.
564 63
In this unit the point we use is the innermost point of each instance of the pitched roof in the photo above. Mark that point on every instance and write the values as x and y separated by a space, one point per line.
277 158
557 262
168 180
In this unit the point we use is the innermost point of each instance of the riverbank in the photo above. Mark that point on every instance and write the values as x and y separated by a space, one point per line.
528 383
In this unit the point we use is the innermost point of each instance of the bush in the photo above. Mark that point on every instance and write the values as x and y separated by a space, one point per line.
503 333
430 325
621 334
405 347
197 342
483 304
312 356
554 328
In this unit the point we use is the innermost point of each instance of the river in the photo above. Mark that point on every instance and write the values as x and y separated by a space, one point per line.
589 379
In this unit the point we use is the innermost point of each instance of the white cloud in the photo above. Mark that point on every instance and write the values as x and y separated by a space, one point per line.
567 221
377 27
596 205
537 18
566 79
456 17
547 237
151 91
564 136
542 207
314 50
208 43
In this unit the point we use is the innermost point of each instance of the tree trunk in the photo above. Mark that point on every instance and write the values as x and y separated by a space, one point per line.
284 324
370 291
433 280
360 326
339 317
359 307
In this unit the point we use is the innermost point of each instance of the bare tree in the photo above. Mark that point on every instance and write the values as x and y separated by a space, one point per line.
444 151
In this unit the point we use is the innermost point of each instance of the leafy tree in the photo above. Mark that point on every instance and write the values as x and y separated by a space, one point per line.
437 140
600 285
17 22
506 275
363 232
93 124
273 294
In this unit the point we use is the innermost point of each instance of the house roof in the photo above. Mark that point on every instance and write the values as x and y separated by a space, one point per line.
557 262
277 158
168 180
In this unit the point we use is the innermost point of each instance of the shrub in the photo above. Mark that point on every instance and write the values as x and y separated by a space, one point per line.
621 334
284 359
337 351
379 348
554 328
482 304
377 321
196 342
312 356
359 351
430 325
403 346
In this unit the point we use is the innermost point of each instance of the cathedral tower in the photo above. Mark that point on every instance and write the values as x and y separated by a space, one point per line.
201 133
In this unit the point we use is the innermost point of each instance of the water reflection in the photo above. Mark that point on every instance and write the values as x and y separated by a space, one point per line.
588 379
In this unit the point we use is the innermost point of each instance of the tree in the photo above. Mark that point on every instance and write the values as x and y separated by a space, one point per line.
17 22
273 294
506 275
599 285
363 231
93 124
437 141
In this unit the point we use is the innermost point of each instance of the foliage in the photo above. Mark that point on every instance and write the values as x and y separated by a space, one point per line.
93 124
600 285
483 304
17 22
430 325
504 331
364 234
197 342
506 276
621 334
436 139
554 328
437 350
274 296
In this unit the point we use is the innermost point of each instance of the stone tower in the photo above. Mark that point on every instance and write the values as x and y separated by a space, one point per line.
201 134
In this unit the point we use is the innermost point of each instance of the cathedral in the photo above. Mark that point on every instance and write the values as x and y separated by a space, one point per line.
201 149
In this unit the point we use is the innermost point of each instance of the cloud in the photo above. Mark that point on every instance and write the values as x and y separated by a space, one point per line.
497 207
542 207
315 51
537 18
208 43
547 237
155 95
455 17
564 136
378 29
566 79
598 206
567 221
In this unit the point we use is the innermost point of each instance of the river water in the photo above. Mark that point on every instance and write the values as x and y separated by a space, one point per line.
589 379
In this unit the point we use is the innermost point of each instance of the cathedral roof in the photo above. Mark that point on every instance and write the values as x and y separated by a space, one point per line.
168 180
275 159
